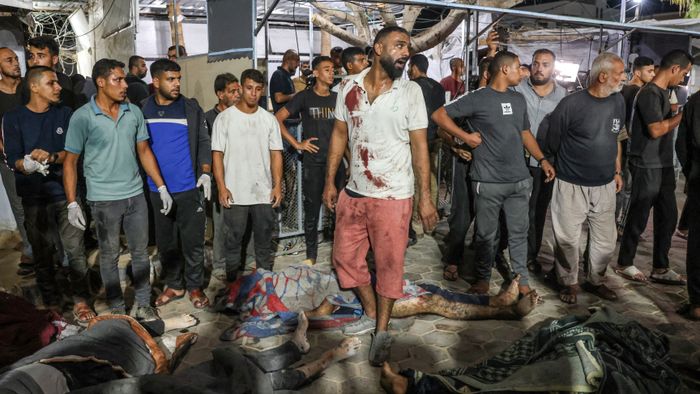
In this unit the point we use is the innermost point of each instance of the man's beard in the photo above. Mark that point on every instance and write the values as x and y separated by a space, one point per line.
388 64
170 95
539 82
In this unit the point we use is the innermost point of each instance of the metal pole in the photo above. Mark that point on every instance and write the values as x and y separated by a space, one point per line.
623 16
467 51
177 38
311 35
267 50
475 60
490 25
600 48
268 12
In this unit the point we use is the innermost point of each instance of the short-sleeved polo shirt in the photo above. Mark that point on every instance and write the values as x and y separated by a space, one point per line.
110 159
379 140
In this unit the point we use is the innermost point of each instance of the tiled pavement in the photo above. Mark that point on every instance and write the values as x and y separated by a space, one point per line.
432 343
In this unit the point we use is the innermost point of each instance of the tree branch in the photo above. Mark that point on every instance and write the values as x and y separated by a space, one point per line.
387 15
438 32
410 14
362 24
333 13
328 26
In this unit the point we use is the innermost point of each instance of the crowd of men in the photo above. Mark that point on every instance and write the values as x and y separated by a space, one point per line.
131 155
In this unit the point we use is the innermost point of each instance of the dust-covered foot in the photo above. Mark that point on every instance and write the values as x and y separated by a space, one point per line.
526 304
392 382
347 348
509 296
480 287
299 337
180 322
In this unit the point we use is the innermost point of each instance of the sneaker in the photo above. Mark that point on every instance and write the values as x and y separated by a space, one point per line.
119 310
362 326
380 349
146 313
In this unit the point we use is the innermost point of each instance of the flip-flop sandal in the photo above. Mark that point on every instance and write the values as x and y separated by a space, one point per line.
171 296
81 311
682 235
199 299
450 272
630 273
568 291
183 343
670 277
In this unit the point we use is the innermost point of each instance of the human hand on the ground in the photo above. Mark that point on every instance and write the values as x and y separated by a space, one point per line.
166 199
75 216
205 183
276 196
308 146
548 170
330 196
428 214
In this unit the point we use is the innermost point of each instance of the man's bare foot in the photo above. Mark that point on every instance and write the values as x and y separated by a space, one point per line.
392 382
480 287
507 297
180 322
526 304
299 337
347 348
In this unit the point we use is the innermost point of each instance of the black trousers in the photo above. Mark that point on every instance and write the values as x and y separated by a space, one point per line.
539 202
235 224
461 213
313 181
180 239
692 205
651 188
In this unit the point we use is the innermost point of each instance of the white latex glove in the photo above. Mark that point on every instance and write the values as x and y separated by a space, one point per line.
30 165
166 199
43 169
205 182
75 215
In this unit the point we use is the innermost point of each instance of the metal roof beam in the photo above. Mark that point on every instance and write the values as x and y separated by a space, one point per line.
537 15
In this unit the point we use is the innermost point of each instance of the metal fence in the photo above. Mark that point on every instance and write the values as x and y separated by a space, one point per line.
291 213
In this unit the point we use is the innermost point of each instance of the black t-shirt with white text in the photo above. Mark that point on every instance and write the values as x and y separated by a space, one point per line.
583 134
317 118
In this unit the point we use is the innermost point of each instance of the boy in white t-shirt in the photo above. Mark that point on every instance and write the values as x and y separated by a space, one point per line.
247 158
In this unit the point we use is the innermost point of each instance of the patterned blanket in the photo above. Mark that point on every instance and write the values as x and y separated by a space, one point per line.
268 302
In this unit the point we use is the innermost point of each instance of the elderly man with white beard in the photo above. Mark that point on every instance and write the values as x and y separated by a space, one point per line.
584 135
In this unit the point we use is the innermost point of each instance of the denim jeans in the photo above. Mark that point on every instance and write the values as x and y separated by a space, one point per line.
42 221
110 216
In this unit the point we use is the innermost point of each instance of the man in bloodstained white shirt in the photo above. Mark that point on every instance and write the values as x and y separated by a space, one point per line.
377 116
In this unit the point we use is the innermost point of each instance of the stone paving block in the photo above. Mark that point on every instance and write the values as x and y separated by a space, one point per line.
429 354
368 384
441 339
421 327
321 385
449 327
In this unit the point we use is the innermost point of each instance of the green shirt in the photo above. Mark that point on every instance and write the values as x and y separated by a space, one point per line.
110 160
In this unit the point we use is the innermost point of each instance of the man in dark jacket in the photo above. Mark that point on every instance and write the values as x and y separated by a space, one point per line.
137 89
43 51
180 142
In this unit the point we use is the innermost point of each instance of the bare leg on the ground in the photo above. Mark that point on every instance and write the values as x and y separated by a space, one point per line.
392 382
509 296
347 348
299 337
437 305
179 322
